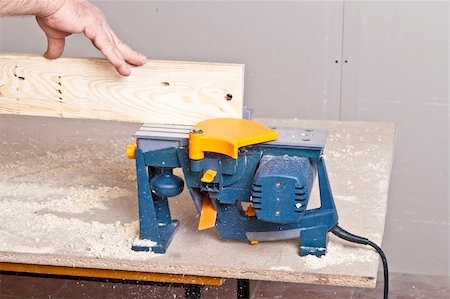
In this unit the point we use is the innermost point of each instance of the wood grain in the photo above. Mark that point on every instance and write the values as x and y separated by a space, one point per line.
159 92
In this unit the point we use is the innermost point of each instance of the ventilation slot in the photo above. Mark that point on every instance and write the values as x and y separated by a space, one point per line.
256 196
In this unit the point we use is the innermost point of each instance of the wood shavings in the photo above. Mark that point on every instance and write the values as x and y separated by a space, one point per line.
111 240
49 214
338 254
77 199
143 242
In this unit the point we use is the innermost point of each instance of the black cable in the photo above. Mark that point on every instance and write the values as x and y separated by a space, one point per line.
343 234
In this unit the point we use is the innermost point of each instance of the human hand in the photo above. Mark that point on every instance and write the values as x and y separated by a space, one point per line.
80 16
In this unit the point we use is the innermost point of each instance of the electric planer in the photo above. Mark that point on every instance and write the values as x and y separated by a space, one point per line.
252 183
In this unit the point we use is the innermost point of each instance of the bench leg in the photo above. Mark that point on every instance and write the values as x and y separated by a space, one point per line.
192 291
243 288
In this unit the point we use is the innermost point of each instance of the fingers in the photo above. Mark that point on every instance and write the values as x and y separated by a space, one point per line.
115 50
104 39
55 47
108 48
55 40
129 54
81 16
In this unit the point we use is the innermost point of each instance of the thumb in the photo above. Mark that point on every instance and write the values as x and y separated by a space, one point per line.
55 47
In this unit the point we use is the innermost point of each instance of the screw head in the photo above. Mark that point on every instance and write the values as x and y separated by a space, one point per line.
277 184
196 131
277 213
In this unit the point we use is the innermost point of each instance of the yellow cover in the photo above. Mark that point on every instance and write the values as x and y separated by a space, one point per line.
226 136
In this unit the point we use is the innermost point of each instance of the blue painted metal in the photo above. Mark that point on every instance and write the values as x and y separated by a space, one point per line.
281 176
167 184
313 240
281 188
155 222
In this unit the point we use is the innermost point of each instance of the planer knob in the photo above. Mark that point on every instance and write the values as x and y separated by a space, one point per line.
167 184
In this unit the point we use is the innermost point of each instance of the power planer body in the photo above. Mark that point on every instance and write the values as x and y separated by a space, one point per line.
252 183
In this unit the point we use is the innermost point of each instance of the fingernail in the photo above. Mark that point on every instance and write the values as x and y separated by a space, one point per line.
125 71
142 57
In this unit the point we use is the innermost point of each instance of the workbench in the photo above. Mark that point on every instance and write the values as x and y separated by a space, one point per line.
68 198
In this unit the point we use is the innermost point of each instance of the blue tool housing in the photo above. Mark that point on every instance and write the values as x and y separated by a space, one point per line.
281 188
276 178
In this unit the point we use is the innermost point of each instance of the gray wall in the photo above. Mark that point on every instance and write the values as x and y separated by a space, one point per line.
398 72
295 53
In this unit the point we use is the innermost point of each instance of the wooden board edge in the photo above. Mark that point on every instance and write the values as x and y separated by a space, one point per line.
12 55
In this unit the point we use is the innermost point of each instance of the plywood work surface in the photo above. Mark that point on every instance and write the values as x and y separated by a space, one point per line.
174 92
68 198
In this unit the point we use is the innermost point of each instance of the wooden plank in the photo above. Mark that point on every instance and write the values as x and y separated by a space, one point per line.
158 92
110 274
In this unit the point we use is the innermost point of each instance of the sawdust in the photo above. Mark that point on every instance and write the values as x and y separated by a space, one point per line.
53 219
141 242
338 254
75 199
37 232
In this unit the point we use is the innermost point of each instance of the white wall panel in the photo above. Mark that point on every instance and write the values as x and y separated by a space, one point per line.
397 71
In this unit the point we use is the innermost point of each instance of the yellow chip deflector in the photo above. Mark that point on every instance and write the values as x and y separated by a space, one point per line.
226 136
208 214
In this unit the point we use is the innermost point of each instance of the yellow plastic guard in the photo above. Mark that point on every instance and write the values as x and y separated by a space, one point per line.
131 151
250 212
208 214
208 176
226 136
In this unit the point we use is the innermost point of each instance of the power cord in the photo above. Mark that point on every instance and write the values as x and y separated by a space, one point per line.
343 234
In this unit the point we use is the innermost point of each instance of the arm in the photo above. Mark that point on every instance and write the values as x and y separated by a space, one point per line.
60 18
29 7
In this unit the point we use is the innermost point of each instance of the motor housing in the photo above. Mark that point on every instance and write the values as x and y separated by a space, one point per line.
281 188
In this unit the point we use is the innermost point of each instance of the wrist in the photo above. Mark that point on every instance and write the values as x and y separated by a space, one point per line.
45 8
39 8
